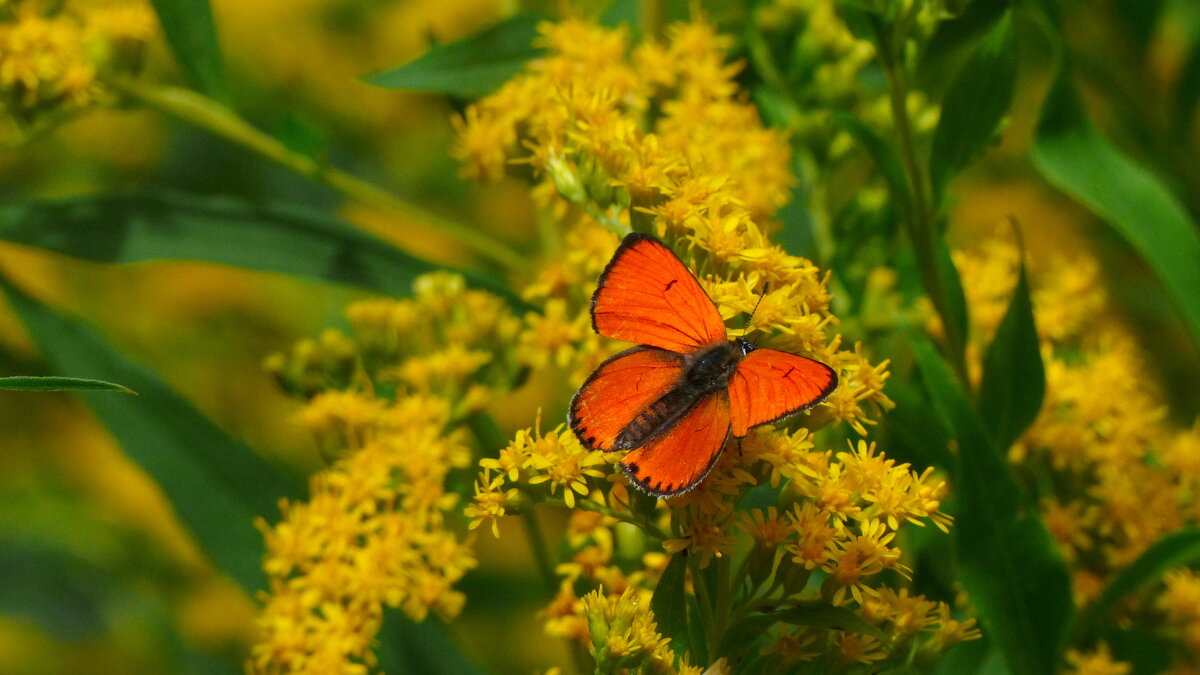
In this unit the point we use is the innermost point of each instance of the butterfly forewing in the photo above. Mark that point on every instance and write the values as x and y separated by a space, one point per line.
622 388
769 384
676 461
647 295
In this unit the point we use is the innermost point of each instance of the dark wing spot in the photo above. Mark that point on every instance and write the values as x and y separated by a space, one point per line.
634 469
791 369
670 284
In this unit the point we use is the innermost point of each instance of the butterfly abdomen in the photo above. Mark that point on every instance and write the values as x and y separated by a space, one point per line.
705 373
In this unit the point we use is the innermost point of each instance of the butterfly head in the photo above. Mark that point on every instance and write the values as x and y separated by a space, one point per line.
744 345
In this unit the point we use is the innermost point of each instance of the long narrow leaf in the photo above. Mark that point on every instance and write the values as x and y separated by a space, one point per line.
1072 154
669 604
216 484
1014 379
471 67
21 383
1174 550
1007 560
192 34
976 102
126 228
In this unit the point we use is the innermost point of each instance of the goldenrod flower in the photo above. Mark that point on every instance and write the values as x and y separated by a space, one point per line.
1097 662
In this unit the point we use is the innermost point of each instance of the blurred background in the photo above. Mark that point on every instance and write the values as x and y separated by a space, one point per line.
97 575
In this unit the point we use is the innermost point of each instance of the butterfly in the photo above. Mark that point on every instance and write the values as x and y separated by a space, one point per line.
674 399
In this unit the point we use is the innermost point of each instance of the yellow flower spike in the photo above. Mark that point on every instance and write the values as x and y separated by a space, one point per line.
1096 662
815 536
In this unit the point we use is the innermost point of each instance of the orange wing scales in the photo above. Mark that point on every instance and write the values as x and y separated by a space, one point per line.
620 389
770 384
647 295
676 461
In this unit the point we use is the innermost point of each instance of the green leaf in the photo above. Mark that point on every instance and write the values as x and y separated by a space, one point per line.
669 604
20 383
1008 563
127 228
216 484
975 104
421 648
192 34
1173 550
824 615
471 67
1073 155
1014 379
59 592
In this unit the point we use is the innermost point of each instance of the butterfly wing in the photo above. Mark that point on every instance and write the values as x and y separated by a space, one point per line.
647 295
769 384
680 458
620 389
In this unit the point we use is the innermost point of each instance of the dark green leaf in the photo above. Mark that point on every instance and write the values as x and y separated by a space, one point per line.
426 647
1008 563
19 383
669 605
217 486
1174 550
975 104
956 35
823 615
1073 155
192 34
915 434
126 228
60 593
471 67
1014 380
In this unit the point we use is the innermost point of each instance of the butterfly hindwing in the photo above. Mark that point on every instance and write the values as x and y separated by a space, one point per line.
769 384
621 389
677 460
647 295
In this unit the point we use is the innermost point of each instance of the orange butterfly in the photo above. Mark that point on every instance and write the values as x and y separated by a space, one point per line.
673 400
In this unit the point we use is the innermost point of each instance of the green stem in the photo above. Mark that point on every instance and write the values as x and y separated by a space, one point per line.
919 218
589 505
537 543
211 116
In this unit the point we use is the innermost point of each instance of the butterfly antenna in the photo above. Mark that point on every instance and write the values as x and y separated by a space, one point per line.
746 327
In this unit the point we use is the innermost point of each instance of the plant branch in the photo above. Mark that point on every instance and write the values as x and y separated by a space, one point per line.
211 116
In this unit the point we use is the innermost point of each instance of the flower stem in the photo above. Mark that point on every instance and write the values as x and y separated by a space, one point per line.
211 116
919 218
537 543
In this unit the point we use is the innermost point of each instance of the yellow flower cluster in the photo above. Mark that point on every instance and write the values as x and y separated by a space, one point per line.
624 636
1122 476
379 529
372 534
655 137
51 53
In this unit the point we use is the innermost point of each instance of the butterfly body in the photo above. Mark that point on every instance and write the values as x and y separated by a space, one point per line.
703 373
675 399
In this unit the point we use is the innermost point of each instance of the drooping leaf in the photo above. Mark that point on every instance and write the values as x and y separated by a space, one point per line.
471 67
1072 155
53 383
669 604
216 484
1173 550
192 34
127 228
1008 563
975 104
1014 379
